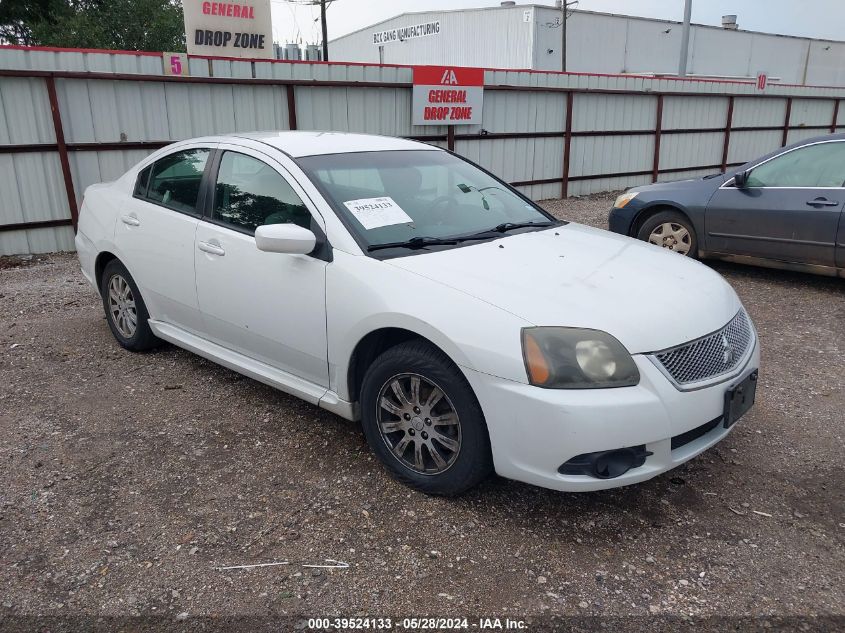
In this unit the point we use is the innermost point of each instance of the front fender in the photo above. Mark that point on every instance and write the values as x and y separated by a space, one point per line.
474 334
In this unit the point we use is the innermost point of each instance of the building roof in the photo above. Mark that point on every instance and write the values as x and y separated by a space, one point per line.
551 7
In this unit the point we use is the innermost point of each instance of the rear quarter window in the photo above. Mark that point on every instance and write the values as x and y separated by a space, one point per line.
142 181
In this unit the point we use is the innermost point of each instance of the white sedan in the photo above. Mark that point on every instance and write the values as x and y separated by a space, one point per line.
396 283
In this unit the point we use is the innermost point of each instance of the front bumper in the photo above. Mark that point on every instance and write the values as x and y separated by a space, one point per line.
533 431
620 220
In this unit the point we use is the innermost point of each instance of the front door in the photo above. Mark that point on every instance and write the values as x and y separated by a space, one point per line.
268 306
788 210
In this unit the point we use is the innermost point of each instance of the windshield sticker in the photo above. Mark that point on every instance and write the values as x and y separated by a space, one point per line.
373 213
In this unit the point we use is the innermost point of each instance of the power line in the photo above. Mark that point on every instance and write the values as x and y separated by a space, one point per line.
324 5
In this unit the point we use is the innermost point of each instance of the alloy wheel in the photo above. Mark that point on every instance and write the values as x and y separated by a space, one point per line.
124 314
418 423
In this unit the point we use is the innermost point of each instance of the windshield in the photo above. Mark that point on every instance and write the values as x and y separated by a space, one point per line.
417 195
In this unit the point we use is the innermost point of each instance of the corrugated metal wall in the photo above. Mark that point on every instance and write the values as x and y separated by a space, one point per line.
111 121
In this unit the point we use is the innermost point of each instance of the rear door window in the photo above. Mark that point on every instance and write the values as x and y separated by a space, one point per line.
175 180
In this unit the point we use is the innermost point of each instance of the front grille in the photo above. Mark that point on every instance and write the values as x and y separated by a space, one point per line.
710 356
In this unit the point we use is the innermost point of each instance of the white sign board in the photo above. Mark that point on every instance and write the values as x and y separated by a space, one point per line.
229 29
447 95
402 33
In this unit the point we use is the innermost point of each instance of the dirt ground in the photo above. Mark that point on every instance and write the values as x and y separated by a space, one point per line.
127 480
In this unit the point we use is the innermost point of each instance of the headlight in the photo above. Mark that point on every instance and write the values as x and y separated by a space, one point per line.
624 199
574 358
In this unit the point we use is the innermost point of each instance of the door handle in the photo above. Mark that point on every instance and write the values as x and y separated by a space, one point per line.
208 247
130 220
823 202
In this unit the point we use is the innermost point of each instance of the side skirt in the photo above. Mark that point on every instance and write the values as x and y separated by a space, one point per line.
262 372
815 269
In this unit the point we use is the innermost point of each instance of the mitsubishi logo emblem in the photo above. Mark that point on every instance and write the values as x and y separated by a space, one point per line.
727 350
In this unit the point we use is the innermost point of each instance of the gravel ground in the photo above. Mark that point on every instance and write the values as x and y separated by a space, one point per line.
127 479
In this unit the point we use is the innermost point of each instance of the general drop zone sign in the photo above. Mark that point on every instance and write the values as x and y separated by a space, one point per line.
446 95
229 29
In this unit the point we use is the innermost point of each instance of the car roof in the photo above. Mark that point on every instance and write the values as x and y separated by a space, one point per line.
299 144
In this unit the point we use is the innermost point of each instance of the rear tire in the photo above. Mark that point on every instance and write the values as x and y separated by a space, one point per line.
671 230
423 421
126 312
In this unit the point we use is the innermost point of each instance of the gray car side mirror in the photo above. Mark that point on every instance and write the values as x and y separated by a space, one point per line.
741 179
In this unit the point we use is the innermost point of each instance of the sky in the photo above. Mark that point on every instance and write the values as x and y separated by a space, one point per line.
807 18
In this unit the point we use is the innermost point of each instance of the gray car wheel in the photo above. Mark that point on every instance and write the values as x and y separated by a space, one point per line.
670 230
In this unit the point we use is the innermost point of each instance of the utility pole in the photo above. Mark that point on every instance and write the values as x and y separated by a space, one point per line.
324 4
563 5
563 37
682 63
325 30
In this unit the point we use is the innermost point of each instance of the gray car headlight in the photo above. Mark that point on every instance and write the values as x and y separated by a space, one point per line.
624 199
575 358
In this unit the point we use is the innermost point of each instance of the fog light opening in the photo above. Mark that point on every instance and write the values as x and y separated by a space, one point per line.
613 463
606 464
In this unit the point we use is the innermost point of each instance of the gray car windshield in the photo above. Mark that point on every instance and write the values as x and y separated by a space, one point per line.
418 198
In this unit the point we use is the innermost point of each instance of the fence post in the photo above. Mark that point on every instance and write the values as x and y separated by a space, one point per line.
62 148
786 118
567 145
450 138
833 125
728 124
291 107
655 168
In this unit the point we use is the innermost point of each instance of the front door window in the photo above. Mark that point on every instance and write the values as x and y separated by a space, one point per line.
819 165
249 193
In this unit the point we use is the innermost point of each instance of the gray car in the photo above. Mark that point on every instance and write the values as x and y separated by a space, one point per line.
782 210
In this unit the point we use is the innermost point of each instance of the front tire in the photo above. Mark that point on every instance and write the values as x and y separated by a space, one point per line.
126 312
423 421
672 231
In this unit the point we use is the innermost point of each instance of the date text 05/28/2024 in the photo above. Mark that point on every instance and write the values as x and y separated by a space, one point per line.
417 624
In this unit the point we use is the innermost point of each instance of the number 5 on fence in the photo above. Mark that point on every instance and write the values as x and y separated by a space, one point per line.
175 64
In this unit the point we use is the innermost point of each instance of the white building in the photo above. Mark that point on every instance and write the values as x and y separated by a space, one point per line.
529 36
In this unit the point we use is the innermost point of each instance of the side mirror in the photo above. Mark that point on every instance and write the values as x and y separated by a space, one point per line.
285 238
741 179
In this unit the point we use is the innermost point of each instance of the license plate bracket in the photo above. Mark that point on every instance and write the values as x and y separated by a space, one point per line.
739 399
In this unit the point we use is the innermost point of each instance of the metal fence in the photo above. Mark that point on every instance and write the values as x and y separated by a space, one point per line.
72 118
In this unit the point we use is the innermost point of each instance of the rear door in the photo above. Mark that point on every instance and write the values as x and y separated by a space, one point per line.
789 209
268 306
155 235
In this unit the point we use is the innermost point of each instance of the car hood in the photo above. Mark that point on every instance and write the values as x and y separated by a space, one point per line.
706 184
577 276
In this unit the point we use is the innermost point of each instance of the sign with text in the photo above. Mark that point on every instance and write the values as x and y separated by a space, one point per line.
175 64
229 29
445 95
762 80
402 33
